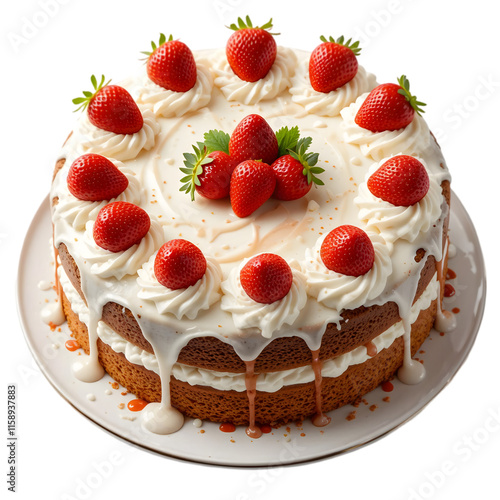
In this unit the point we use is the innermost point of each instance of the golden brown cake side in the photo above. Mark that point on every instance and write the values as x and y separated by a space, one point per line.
291 403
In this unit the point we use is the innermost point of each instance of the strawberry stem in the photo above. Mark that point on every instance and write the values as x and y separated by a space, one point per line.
354 46
163 39
247 23
405 91
83 102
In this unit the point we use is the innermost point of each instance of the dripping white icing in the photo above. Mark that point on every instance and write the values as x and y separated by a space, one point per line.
266 382
53 313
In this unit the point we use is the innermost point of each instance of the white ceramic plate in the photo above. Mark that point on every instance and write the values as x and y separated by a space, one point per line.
443 355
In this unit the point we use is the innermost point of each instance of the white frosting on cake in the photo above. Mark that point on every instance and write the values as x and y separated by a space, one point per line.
168 103
106 264
393 221
268 318
273 84
330 103
339 291
412 140
117 146
185 301
78 212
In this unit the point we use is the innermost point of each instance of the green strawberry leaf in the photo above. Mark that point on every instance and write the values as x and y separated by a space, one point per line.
405 91
287 139
194 168
88 95
354 46
308 160
162 40
217 140
247 23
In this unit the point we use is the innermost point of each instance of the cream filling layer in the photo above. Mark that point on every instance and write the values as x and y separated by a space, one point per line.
225 381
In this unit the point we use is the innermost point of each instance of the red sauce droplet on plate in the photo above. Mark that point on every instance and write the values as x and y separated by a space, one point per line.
72 345
450 274
387 386
455 310
227 427
449 291
266 428
136 404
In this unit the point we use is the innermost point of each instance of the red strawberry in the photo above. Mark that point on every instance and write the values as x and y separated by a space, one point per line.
93 177
214 181
295 172
333 64
388 107
402 181
348 250
111 108
253 139
119 225
179 264
252 183
251 51
266 278
207 173
171 65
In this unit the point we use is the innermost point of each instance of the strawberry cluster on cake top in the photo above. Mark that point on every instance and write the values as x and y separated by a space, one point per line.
251 163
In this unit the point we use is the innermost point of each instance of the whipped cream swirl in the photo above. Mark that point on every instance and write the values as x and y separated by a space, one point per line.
106 264
276 81
168 103
331 103
394 222
78 212
185 301
118 146
266 317
412 139
339 291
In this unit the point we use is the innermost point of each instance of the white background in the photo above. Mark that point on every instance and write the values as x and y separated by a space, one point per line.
451 55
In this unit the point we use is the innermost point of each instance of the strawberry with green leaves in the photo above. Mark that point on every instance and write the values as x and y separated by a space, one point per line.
171 65
333 63
296 171
110 108
402 180
251 51
253 139
207 171
389 107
